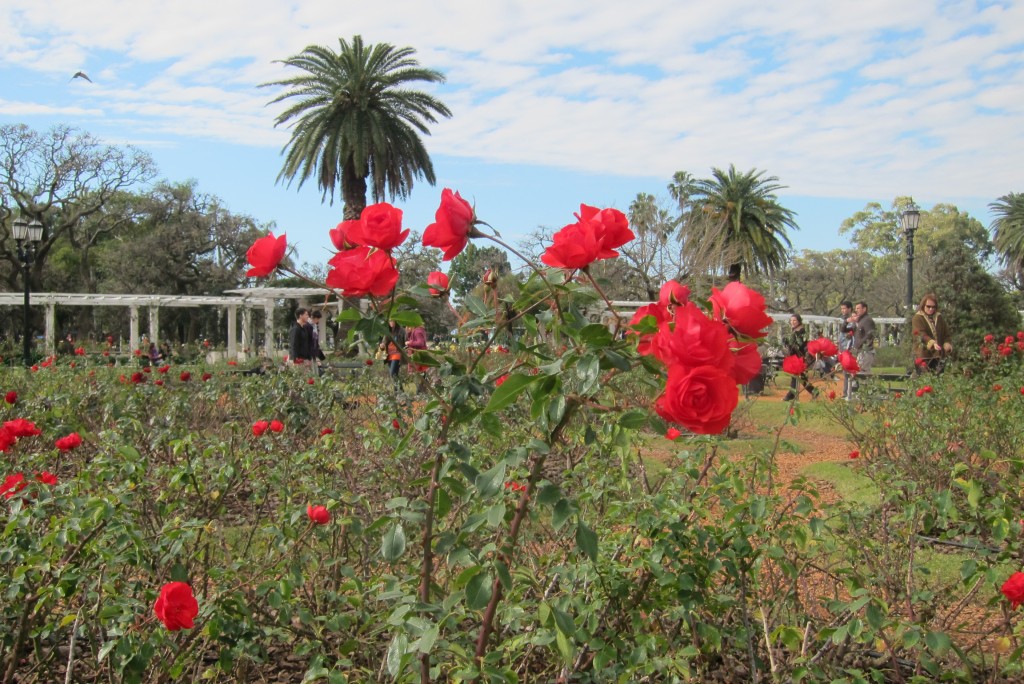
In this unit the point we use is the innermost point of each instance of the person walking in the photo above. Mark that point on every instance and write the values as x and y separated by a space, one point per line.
931 335
393 344
795 344
300 339
847 327
314 328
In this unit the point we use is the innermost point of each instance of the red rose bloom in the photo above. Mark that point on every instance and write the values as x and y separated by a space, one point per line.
339 235
1013 589
694 340
394 423
47 478
206 376
159 383
574 246
609 225
747 361
319 515
147 369
742 308
310 381
185 376
19 427
326 431
501 381
176 607
849 363
72 441
11 397
673 294
989 339
259 427
276 426
12 484
823 346
832 395
453 225
701 398
138 378
438 283
794 365
265 255
163 369
854 454
380 226
362 271
369 362
7 440
672 434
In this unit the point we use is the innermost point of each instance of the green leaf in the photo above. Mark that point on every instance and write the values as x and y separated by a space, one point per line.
549 494
586 540
396 649
408 319
427 639
478 591
444 502
633 420
393 545
588 370
564 622
490 482
561 513
351 314
477 306
596 335
509 391
938 643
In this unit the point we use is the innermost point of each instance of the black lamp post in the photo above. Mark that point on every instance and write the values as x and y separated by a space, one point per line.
27 235
910 217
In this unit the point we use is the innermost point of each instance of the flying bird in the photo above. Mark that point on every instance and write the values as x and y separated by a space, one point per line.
80 74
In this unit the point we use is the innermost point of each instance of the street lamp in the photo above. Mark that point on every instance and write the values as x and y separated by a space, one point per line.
910 217
27 235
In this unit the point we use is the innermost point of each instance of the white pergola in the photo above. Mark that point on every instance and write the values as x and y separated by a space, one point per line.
246 299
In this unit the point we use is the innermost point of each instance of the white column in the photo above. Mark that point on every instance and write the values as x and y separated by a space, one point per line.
154 325
268 329
133 328
232 343
247 330
51 324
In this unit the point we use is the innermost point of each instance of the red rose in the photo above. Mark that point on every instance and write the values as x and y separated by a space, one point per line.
831 395
673 294
747 364
989 339
693 340
394 423
380 226
11 397
660 314
854 454
159 383
997 388
12 484
319 515
106 353
369 362
206 376
823 346
501 381
259 427
80 351
361 271
326 431
265 255
609 225
19 427
147 369
176 607
794 365
701 398
47 478
438 283
672 434
185 376
453 225
742 308
574 246
849 363
339 235
7 439
138 378
276 426
1013 589
310 381
70 442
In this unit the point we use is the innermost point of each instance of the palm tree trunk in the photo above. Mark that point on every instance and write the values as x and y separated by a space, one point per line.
353 192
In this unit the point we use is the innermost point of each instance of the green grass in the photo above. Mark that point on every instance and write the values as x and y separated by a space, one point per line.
850 485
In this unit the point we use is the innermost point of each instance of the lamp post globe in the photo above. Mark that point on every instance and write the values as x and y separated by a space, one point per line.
910 218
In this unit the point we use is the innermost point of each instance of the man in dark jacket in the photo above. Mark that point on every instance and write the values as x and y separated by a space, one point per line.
300 339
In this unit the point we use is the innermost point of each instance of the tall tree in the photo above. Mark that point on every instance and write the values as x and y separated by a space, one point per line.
355 118
468 268
1008 229
747 214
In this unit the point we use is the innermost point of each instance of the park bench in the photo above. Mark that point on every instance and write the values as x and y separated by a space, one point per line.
893 382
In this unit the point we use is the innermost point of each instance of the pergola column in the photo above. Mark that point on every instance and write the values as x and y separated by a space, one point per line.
154 325
232 343
268 329
133 327
51 324
246 330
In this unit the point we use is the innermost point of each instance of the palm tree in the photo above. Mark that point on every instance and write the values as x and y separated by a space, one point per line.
751 221
1008 229
355 117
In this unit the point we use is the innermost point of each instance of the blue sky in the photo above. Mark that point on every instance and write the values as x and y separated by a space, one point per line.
558 102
